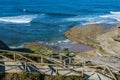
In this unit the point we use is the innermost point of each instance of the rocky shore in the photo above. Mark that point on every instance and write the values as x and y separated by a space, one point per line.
95 38
106 49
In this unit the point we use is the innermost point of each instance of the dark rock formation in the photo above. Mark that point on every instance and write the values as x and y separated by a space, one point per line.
3 46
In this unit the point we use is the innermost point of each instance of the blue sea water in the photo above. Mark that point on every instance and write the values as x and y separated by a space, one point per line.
23 21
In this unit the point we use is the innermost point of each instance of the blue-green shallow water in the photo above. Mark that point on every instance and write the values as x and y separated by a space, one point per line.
23 21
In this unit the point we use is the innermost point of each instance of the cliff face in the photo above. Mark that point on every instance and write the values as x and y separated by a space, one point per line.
3 46
86 35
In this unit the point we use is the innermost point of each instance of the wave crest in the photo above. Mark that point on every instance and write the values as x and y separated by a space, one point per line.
18 19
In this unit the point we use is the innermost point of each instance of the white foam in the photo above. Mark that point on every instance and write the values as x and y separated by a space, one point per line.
112 16
77 18
67 40
18 19
118 13
15 47
73 19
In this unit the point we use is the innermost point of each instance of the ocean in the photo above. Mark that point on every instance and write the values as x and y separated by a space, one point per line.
45 21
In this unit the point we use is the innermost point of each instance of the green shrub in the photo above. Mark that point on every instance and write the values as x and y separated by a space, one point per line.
101 49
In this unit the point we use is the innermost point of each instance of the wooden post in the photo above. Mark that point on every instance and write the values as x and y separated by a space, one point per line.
69 60
14 56
111 73
104 69
25 66
64 64
84 64
82 72
56 69
50 57
41 58
60 57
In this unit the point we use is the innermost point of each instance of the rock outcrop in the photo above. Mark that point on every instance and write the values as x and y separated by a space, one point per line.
108 43
97 37
85 35
3 46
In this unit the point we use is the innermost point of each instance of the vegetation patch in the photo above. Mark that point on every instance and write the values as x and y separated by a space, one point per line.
39 48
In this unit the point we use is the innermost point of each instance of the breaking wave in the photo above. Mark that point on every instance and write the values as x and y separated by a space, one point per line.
18 19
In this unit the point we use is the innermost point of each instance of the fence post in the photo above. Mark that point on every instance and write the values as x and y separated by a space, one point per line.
25 66
69 60
83 67
56 69
41 58
60 57
14 56
64 64
84 63
82 72
104 69
111 72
